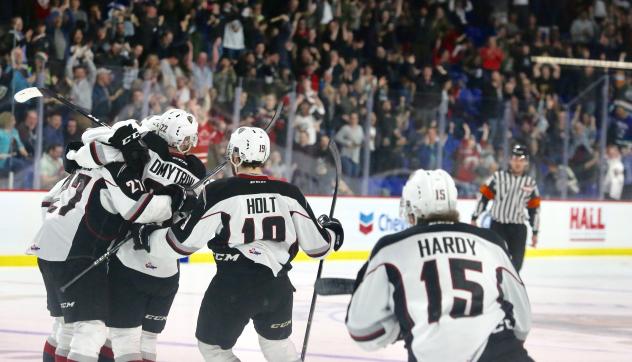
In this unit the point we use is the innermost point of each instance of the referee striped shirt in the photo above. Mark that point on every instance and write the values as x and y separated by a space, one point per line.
512 195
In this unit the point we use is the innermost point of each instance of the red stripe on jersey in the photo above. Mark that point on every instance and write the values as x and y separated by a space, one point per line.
400 283
317 255
141 208
368 337
93 153
209 215
296 212
175 246
253 177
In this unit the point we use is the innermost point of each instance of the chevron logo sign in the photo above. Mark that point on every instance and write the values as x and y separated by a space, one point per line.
366 223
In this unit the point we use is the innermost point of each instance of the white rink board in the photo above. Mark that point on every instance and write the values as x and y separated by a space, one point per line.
564 224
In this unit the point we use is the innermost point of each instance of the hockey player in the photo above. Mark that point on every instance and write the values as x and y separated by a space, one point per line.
254 226
84 213
141 286
447 288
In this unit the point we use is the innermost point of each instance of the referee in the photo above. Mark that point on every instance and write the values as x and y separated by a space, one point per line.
512 192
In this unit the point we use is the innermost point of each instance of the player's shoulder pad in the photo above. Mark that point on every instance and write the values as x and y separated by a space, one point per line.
387 240
233 186
157 144
196 166
485 234
126 178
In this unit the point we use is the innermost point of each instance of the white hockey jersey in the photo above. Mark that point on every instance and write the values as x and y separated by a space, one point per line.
444 288
87 210
162 169
249 217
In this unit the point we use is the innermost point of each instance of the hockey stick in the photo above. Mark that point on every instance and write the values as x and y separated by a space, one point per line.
336 156
120 241
27 94
216 169
334 286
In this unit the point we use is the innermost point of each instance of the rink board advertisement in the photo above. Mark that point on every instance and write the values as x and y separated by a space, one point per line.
567 227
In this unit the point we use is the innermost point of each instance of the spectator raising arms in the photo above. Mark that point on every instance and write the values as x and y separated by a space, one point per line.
430 69
351 137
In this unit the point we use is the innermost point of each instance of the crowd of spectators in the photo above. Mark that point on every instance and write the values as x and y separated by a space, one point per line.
447 83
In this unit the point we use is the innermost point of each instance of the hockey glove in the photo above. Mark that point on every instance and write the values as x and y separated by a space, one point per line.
127 140
140 233
70 165
335 226
182 200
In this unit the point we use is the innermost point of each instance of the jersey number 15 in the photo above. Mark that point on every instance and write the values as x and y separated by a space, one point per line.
430 277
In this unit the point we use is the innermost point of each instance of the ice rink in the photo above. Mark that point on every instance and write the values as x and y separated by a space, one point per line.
582 311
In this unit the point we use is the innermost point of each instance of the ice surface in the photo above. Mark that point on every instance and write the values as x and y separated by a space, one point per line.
582 311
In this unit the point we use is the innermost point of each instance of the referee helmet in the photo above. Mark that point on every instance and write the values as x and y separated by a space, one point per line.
520 151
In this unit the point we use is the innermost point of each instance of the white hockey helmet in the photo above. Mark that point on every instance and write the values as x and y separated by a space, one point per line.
251 144
176 126
428 193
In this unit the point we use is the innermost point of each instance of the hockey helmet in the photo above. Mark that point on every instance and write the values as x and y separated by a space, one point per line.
251 144
520 151
176 126
428 193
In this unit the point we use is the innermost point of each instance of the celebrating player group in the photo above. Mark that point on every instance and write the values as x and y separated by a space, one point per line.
446 288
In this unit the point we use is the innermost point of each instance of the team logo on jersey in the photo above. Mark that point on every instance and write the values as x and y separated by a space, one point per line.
150 266
366 223
254 251
34 247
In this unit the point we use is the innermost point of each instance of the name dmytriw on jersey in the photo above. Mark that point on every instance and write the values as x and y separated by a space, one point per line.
171 172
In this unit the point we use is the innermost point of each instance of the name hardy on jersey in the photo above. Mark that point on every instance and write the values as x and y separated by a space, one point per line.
446 244
259 205
171 172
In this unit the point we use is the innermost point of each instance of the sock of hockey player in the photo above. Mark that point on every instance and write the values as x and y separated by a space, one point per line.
106 354
126 343
282 350
87 340
148 346
51 341
63 337
212 353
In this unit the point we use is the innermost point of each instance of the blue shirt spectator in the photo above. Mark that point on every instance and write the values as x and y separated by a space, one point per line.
9 135
53 131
